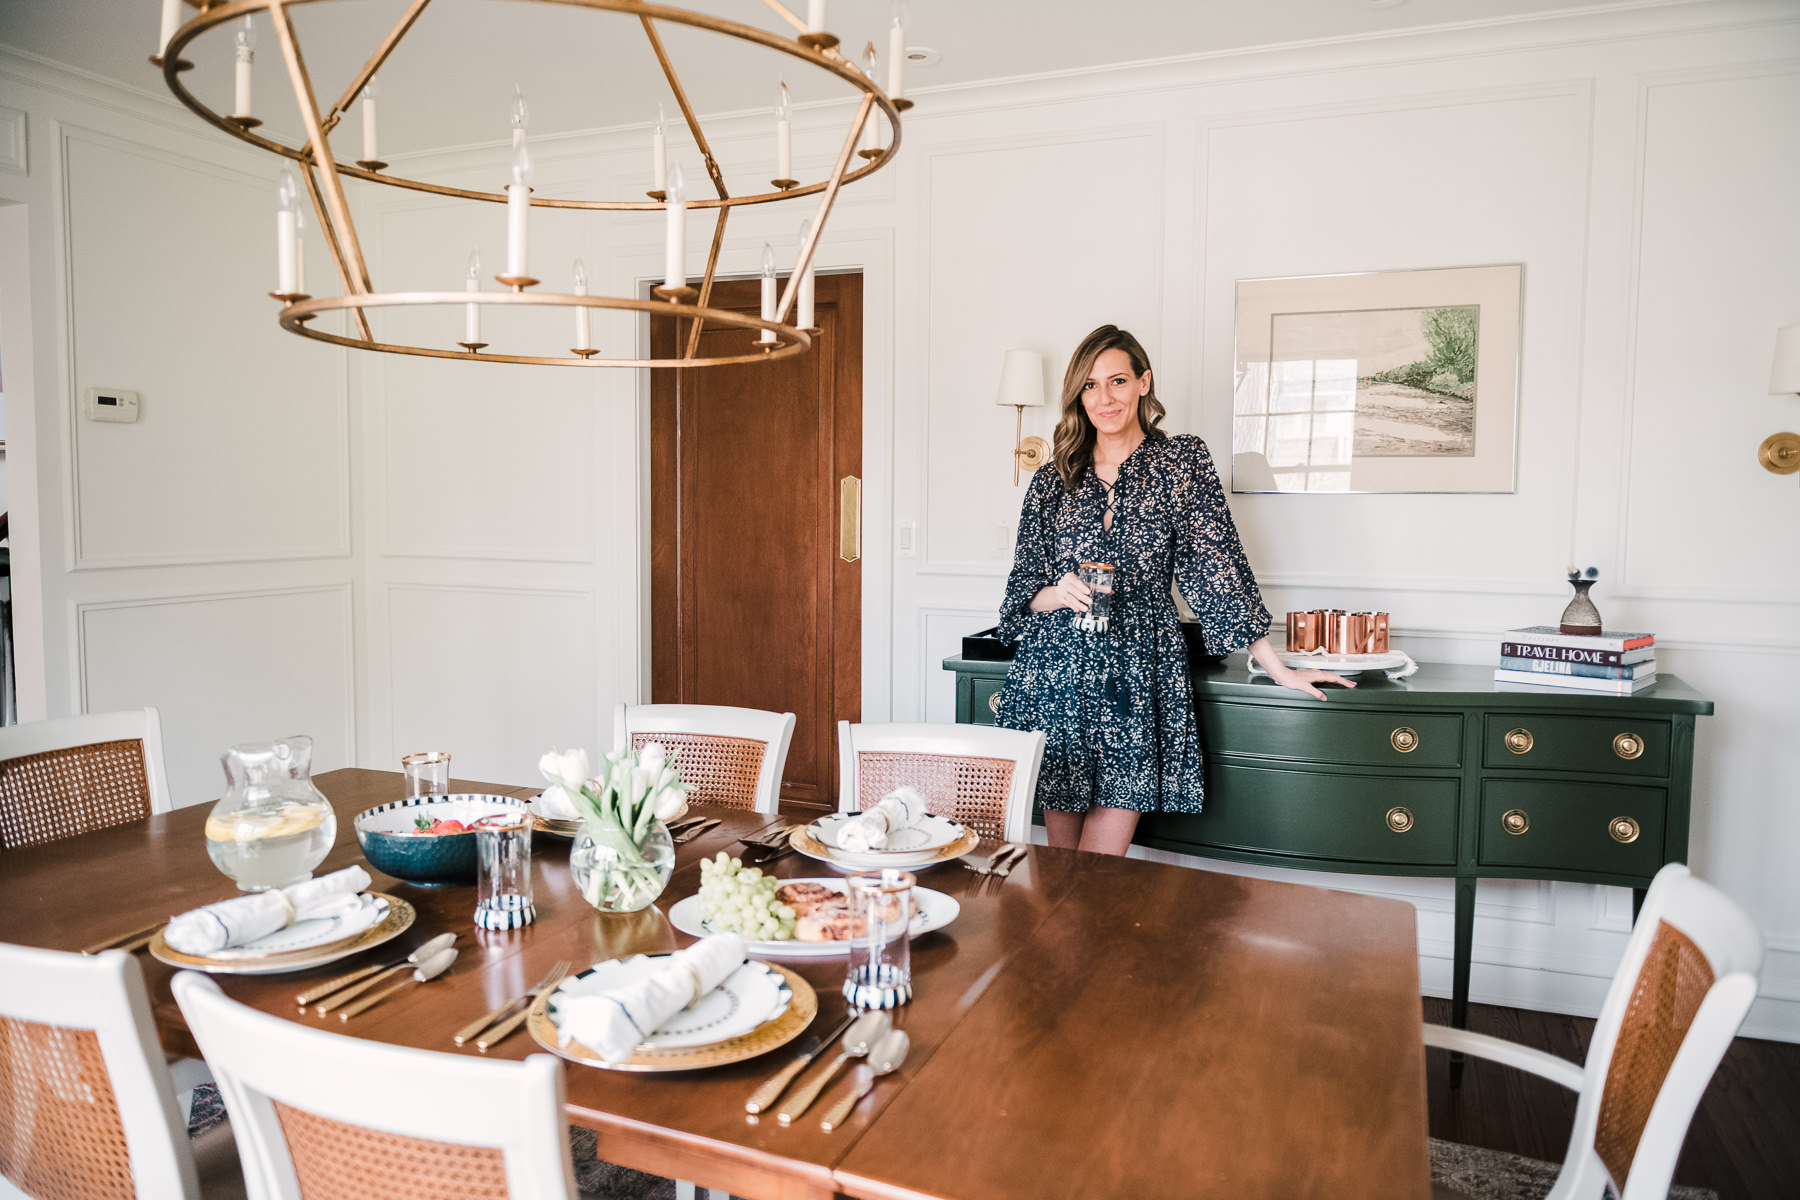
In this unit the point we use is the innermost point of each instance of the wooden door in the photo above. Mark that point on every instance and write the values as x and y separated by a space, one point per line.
752 602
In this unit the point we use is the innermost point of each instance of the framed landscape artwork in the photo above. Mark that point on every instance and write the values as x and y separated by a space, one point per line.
1389 381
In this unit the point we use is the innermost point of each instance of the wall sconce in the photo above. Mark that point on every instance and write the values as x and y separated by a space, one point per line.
1022 386
1780 452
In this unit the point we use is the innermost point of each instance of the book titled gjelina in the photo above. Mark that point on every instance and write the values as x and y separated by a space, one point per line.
1615 661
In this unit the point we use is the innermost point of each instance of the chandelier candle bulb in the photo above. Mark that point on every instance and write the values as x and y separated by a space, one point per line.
896 48
171 21
803 301
768 292
518 214
583 338
871 146
246 55
371 144
675 231
815 16
472 312
659 150
521 117
784 136
287 236
300 252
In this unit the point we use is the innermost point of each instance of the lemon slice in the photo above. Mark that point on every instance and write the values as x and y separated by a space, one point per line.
252 825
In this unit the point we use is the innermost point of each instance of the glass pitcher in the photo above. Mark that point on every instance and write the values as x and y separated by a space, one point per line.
272 827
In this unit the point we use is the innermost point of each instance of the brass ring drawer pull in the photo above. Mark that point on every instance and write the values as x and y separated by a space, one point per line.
1514 821
1519 741
1400 820
994 704
1623 829
1628 745
1405 740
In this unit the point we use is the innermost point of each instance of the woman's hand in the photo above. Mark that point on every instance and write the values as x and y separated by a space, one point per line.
1303 681
1067 592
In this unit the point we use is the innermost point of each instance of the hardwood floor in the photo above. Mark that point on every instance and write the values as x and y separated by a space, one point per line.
1744 1142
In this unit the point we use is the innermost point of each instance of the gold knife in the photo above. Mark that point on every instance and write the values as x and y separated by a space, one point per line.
771 1089
128 941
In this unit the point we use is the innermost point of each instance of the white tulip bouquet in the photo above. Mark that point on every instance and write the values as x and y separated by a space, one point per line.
619 804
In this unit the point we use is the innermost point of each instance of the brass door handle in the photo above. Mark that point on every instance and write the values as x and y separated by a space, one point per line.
1518 741
1404 739
1623 829
849 518
994 704
1514 821
1628 745
1399 819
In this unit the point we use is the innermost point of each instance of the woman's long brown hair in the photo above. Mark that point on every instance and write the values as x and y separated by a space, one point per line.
1074 442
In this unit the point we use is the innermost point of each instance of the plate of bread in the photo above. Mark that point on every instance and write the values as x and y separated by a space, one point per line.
825 926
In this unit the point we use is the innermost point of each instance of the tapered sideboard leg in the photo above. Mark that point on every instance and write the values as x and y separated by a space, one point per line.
1459 977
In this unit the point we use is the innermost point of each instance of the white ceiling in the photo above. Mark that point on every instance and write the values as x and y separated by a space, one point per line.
452 80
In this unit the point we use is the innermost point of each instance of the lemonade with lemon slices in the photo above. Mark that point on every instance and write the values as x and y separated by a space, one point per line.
273 826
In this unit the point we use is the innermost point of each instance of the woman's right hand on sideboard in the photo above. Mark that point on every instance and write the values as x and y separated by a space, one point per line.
1067 592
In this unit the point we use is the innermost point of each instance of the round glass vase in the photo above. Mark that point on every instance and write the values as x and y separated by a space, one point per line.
616 876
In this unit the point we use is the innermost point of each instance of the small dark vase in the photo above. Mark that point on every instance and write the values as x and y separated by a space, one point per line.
1581 617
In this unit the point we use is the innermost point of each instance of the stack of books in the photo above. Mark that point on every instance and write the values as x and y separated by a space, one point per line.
1610 661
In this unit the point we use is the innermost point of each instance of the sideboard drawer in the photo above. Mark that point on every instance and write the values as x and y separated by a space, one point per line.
1322 733
1572 826
1365 818
984 700
1621 745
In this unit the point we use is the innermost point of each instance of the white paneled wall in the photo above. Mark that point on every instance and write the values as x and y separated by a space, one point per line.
1630 159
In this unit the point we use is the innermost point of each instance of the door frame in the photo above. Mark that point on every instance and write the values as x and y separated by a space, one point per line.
24 524
871 253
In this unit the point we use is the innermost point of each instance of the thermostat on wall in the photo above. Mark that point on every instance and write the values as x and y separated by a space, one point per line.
111 404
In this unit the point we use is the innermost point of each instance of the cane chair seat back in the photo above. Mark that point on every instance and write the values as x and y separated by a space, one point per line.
976 775
733 757
77 774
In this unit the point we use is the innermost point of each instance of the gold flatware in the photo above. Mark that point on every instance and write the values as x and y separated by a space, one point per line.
426 971
134 940
888 1052
769 837
1019 855
774 1085
500 1014
695 830
681 823
343 981
993 859
858 1039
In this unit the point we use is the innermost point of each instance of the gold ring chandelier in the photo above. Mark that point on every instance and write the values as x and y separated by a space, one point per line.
322 174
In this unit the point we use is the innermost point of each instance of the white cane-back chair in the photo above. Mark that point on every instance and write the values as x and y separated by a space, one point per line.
1686 982
339 1118
730 756
980 776
74 775
87 1107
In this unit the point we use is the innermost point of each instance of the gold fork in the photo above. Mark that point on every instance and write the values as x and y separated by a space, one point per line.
505 1010
993 859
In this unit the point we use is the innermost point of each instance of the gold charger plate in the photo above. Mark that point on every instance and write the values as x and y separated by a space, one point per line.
770 1035
561 829
399 919
812 847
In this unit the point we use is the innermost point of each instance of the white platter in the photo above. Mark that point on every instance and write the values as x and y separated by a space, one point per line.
750 997
1343 664
917 844
935 910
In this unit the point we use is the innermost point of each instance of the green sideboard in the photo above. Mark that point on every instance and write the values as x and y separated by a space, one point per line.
1441 774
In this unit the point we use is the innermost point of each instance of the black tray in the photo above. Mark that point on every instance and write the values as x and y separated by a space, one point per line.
985 646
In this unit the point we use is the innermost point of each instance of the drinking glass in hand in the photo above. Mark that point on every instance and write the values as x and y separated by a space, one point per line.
427 773
1099 579
880 974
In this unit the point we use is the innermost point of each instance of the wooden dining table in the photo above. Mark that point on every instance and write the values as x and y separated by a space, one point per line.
1092 1026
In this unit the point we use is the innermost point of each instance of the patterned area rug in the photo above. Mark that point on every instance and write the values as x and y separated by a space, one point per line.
1493 1175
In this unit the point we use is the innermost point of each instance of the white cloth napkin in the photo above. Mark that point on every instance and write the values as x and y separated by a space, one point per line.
553 804
612 1022
245 918
899 810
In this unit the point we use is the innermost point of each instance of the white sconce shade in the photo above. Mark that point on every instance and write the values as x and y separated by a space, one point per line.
1022 380
1784 376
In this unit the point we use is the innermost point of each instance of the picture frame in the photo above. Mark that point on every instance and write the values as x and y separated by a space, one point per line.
1378 381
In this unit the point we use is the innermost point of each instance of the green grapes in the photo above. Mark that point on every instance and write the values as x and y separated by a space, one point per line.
741 899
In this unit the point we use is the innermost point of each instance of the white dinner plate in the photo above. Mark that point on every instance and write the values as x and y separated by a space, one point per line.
915 844
749 998
309 934
935 910
397 917
1343 664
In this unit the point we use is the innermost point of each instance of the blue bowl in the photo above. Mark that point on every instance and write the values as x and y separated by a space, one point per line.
386 836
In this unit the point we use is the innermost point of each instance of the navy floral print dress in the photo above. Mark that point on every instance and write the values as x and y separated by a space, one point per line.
1117 708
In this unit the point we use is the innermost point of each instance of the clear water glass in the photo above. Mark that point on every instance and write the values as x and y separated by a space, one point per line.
880 972
1099 579
427 773
503 876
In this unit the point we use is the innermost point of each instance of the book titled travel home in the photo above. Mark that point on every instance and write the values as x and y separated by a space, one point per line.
1606 639
1614 687
1540 652
1584 670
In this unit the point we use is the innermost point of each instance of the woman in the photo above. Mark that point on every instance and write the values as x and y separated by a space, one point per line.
1116 707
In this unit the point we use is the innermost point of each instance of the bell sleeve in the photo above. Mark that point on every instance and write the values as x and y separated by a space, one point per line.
1211 570
1032 568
